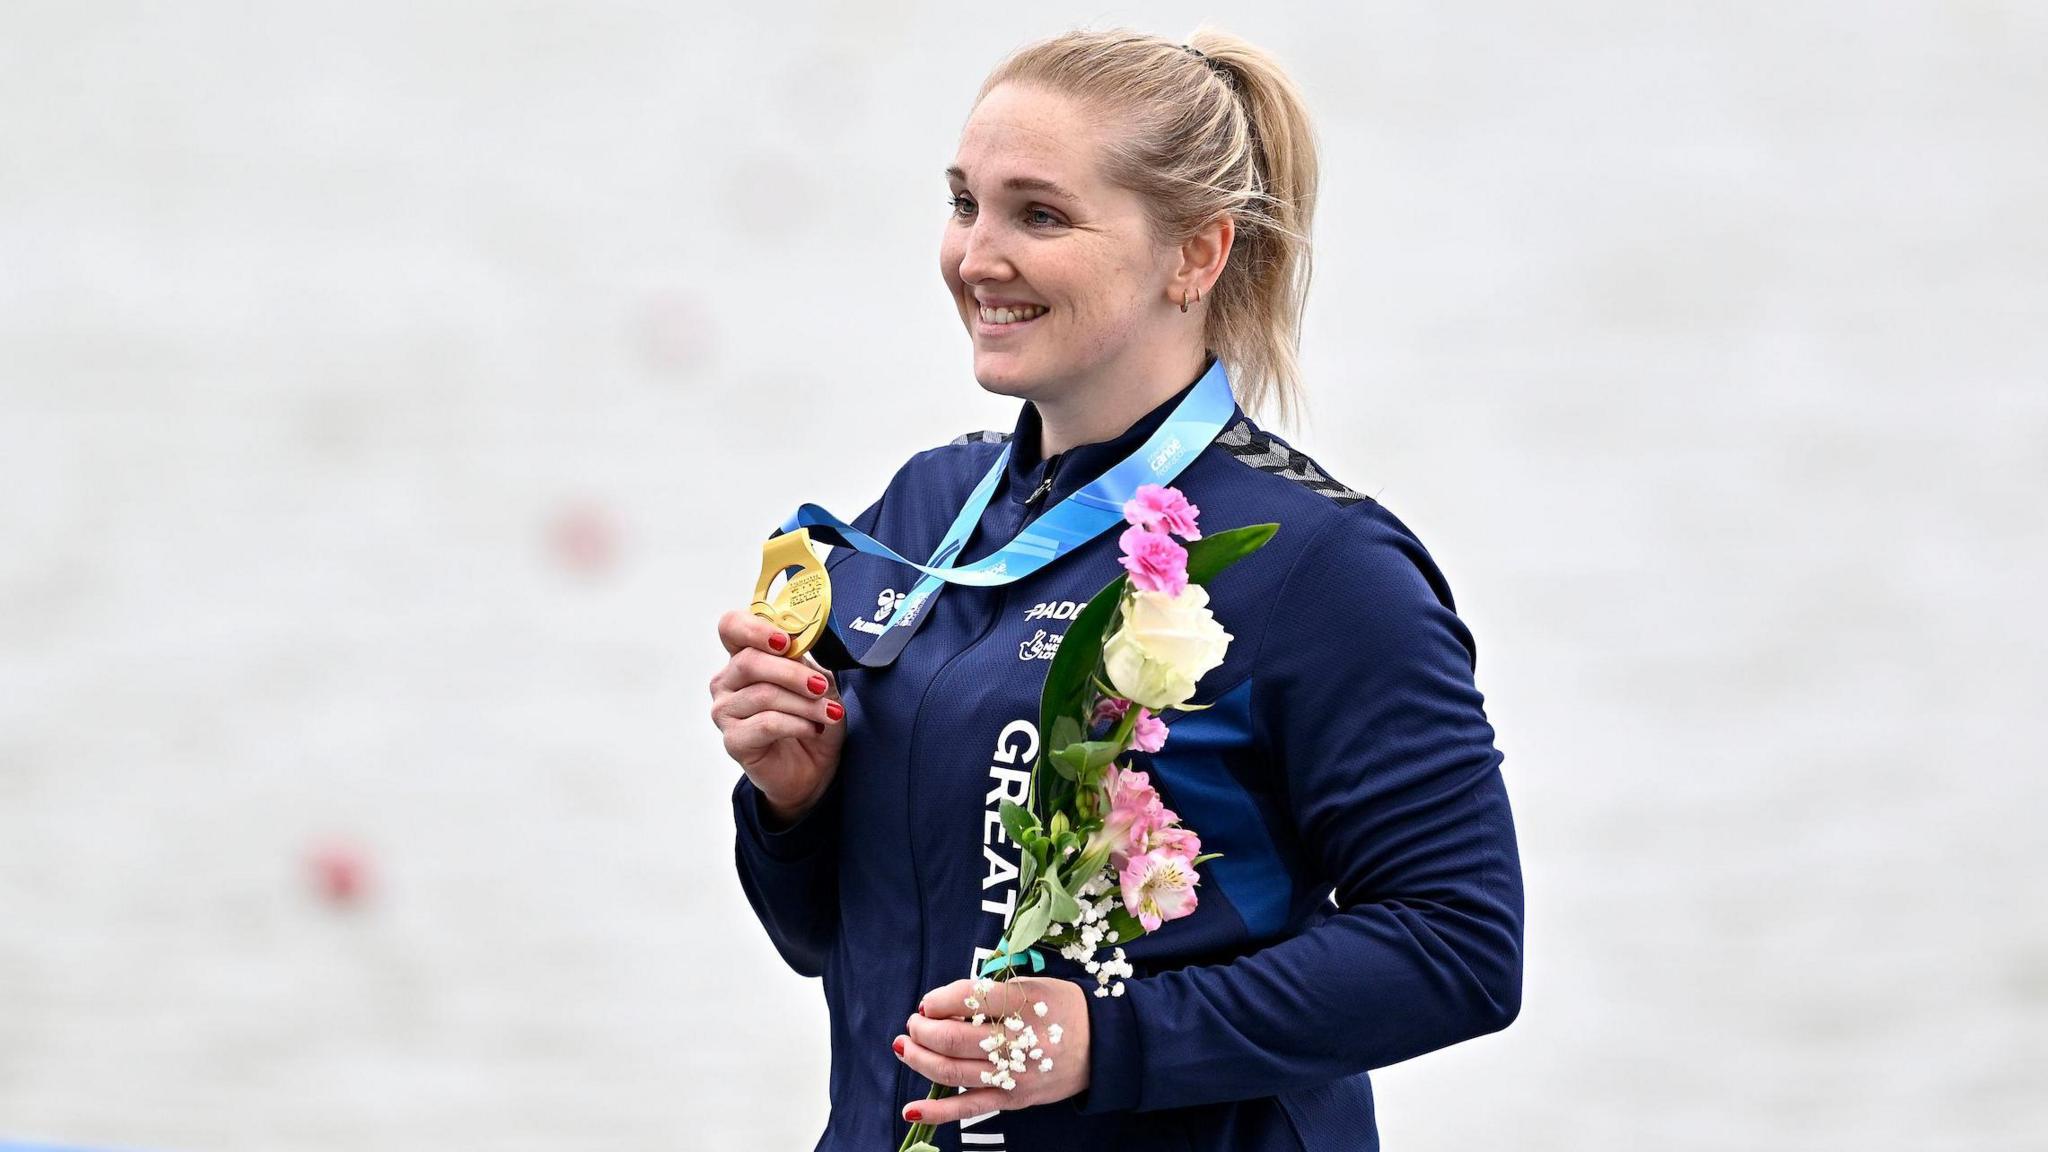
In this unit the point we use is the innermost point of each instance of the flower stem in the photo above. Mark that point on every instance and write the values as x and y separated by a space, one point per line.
1122 736
922 1131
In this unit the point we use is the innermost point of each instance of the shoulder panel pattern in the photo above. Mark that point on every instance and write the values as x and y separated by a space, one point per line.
1267 453
989 436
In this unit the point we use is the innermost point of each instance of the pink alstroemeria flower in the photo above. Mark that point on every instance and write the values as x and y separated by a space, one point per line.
1148 826
1174 840
1159 508
1155 562
1159 886
1134 809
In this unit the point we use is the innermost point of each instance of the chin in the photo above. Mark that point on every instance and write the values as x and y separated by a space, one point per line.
1002 375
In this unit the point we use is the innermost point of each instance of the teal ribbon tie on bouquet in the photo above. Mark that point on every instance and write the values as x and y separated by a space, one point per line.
1003 959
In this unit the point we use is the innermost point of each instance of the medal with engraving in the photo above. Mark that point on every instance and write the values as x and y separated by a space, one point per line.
803 606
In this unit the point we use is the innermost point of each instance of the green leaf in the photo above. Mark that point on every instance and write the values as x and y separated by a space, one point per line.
1087 866
1018 821
1070 761
1065 730
1027 871
1065 699
1029 925
1059 826
1125 925
1204 856
1212 554
1064 908
1096 753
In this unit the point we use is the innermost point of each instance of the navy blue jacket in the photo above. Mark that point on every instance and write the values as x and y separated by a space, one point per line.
1368 905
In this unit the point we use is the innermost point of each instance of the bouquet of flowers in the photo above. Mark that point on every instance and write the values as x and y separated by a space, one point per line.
1103 860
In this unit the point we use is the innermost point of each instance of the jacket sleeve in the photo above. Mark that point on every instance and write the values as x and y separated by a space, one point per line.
1363 695
791 875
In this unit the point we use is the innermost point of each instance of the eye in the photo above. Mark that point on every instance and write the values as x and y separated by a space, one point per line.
960 204
1050 219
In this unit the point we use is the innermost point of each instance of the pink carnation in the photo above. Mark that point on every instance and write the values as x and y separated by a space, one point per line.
1155 562
1156 507
1149 734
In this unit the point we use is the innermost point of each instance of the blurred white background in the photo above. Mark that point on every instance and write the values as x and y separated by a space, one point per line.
392 395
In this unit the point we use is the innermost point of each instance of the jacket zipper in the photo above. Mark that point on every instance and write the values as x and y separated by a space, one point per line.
1051 466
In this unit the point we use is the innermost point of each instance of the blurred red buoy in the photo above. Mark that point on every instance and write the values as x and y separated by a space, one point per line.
584 539
339 872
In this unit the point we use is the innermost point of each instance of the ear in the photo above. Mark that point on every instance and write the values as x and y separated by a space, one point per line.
1202 258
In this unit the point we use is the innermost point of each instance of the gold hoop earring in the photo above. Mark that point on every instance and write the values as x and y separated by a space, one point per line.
1183 299
1198 293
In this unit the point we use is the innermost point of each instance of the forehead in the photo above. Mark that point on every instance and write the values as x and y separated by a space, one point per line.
1020 131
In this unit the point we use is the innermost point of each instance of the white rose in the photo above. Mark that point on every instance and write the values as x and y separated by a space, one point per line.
1166 643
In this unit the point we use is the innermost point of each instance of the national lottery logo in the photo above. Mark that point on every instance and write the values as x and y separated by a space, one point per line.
1041 646
1167 454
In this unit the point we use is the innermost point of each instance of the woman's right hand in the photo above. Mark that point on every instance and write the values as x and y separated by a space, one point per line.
783 720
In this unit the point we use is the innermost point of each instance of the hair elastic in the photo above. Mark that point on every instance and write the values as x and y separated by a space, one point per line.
1216 66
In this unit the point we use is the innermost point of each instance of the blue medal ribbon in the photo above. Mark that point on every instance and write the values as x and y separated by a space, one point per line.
1074 521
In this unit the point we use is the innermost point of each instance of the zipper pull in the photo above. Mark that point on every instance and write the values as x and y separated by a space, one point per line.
1052 466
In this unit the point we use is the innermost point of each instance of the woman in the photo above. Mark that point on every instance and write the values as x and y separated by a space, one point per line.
1129 223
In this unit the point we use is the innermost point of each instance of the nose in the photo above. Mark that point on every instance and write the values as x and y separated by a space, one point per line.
982 254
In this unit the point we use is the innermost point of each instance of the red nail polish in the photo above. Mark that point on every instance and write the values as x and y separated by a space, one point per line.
898 1045
912 1115
833 709
817 685
778 640
923 1013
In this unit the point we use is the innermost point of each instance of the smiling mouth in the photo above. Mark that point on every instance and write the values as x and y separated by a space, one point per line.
1011 317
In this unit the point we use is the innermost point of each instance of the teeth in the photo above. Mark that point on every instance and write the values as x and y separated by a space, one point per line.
1011 315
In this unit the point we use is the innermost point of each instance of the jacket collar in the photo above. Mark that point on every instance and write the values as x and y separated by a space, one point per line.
1074 468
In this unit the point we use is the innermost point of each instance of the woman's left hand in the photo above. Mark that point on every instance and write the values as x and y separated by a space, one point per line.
944 1046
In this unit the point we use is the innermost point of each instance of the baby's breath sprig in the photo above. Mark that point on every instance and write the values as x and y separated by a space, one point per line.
1012 1045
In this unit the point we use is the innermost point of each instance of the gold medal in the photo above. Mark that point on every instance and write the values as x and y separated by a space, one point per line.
804 606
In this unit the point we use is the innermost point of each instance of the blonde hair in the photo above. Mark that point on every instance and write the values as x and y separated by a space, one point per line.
1222 133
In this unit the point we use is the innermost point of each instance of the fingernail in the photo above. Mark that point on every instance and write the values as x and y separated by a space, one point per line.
778 640
817 684
833 709
898 1045
923 1013
912 1114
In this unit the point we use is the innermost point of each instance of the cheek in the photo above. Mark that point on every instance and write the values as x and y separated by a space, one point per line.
949 259
1108 303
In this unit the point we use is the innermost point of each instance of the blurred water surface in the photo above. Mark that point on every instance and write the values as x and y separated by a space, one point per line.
391 398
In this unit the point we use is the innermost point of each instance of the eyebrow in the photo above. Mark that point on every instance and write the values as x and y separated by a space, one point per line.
1020 184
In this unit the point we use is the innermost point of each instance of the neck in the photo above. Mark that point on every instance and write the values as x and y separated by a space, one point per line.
1105 413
